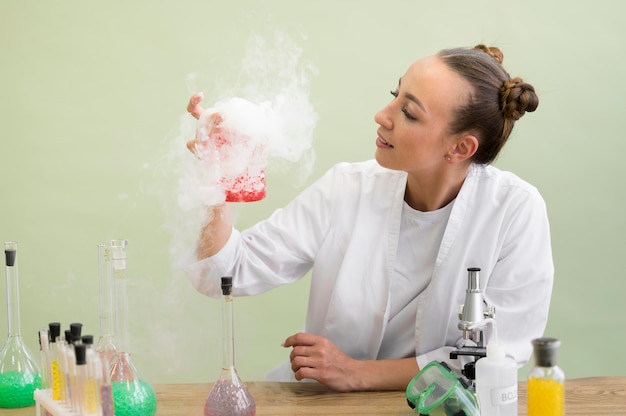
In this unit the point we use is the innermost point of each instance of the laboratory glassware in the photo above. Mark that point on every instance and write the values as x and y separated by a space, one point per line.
19 372
44 354
546 390
132 395
229 395
241 163
107 345
57 381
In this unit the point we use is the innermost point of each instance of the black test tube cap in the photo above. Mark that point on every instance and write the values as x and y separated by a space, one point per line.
81 354
10 257
55 330
76 329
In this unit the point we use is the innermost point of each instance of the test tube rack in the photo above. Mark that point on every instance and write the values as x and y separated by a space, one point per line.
43 399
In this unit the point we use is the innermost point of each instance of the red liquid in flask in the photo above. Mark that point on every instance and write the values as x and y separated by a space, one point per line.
248 187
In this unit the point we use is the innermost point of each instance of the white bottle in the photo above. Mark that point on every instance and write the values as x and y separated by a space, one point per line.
496 383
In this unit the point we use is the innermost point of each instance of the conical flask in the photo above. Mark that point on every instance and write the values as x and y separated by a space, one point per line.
19 372
229 395
132 396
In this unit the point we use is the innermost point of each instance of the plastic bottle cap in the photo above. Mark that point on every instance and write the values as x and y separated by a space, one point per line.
495 351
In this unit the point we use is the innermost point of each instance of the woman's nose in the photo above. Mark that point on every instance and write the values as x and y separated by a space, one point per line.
383 119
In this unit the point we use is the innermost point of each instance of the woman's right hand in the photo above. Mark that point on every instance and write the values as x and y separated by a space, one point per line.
194 105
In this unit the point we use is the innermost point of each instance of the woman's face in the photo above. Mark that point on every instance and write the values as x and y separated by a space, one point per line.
413 134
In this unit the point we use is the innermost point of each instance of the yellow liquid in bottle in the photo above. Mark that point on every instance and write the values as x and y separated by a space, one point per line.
545 397
56 381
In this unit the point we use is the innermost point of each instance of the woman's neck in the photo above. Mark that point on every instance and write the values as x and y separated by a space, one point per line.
435 191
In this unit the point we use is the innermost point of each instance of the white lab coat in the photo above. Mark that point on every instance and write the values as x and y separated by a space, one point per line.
345 228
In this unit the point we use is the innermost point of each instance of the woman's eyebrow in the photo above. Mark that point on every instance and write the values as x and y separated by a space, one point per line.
413 98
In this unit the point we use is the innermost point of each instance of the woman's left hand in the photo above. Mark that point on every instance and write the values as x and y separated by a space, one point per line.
317 358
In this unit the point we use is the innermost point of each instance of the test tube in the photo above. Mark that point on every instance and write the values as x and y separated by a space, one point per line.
72 399
79 380
92 384
64 372
55 371
44 346
106 389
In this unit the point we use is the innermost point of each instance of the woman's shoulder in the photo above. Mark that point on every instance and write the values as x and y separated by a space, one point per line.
501 178
502 185
348 179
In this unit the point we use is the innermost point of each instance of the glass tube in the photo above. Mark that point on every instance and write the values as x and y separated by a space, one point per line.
57 383
229 395
19 373
107 345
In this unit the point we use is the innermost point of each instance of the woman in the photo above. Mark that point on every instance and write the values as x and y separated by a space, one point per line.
389 241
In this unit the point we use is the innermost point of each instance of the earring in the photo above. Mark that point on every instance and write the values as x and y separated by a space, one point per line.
449 158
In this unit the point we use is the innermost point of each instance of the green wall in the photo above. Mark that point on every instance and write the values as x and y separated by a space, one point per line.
92 132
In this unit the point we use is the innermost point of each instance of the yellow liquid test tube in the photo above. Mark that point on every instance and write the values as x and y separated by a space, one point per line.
54 329
56 381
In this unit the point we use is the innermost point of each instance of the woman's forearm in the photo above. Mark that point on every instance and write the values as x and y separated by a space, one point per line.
215 232
387 374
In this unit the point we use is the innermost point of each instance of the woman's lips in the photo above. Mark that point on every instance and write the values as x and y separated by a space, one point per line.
380 142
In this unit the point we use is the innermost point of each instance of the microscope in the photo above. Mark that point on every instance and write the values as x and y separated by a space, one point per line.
474 316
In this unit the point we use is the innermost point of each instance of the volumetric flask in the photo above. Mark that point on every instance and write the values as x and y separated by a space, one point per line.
132 396
229 395
19 372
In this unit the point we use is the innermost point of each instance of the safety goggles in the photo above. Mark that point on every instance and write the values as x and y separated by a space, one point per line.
436 391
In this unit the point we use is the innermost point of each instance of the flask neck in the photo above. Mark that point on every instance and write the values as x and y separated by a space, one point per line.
228 341
13 295
120 280
106 286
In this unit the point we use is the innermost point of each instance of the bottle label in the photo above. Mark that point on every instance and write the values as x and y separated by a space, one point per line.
504 396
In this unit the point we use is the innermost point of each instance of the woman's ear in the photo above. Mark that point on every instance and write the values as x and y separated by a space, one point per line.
464 148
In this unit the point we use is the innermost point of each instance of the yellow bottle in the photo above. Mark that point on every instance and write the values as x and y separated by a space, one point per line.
546 390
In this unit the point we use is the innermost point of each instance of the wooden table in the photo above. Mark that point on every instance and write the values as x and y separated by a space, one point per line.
586 396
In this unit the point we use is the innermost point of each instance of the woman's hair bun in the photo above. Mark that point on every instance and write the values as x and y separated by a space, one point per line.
517 97
492 51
